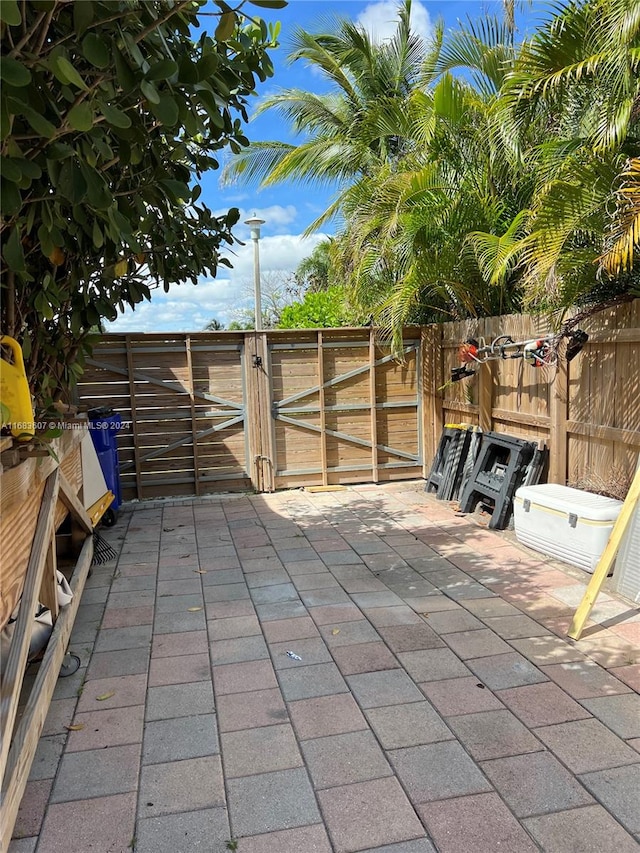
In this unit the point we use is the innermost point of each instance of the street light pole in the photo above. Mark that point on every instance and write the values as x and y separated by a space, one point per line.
254 224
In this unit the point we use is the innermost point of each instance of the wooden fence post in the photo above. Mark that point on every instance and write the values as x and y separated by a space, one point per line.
431 381
559 413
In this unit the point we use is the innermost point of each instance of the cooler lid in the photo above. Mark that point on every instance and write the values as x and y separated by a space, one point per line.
565 499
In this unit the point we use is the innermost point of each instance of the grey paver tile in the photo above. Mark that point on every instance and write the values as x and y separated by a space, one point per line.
410 638
617 789
303 682
437 770
433 664
320 597
586 745
238 650
97 773
364 657
178 603
32 808
590 830
317 581
224 609
270 577
59 715
455 696
180 621
346 633
620 713
450 621
225 592
476 644
183 586
107 727
178 738
311 839
515 627
223 576
116 600
375 812
493 734
483 824
179 700
271 801
74 827
407 725
535 784
542 704
244 677
237 626
326 715
419 845
180 786
23 845
548 650
121 617
381 617
238 711
387 687
123 662
114 639
47 757
283 610
184 833
280 631
344 758
312 650
334 614
180 643
306 567
180 669
275 594
499 672
584 679
260 750
368 600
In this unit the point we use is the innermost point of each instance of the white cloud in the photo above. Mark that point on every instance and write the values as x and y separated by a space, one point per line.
381 20
186 308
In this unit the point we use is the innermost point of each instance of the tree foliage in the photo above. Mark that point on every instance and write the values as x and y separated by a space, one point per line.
319 309
111 111
496 174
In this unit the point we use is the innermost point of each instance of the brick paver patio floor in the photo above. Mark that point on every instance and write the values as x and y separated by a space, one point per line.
436 704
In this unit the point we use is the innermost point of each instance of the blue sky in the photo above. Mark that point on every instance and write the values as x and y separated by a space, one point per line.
287 209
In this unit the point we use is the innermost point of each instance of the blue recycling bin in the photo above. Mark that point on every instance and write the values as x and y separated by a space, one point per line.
104 426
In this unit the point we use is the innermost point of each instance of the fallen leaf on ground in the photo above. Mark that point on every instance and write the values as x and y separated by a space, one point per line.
193 609
104 696
200 571
75 728
335 631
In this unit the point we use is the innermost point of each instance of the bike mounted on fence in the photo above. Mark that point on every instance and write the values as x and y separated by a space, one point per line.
537 352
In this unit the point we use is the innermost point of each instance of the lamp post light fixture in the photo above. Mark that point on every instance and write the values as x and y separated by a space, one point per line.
254 223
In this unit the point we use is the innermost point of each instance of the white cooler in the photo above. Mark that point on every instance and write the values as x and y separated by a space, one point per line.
566 523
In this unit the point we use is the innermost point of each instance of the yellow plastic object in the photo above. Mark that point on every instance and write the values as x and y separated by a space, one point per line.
14 392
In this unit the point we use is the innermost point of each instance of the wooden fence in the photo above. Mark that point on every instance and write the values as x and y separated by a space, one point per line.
220 411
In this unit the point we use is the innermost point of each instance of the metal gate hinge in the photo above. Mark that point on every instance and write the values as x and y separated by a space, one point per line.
573 519
257 361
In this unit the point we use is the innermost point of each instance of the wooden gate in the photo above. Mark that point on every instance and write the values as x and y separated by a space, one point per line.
221 411
343 410
182 402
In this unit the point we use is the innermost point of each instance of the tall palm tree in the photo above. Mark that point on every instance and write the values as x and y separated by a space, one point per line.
581 72
353 129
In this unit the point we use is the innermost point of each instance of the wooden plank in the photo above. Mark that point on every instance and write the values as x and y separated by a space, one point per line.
18 653
194 429
373 415
559 410
134 420
624 436
70 500
322 407
25 741
606 560
542 421
49 590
